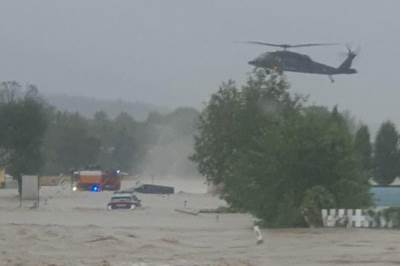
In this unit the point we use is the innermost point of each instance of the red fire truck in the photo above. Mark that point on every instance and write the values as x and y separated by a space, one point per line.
96 180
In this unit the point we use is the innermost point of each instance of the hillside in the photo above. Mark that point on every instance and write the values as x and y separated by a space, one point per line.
88 106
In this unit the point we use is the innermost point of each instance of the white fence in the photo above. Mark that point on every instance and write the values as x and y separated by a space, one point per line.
353 218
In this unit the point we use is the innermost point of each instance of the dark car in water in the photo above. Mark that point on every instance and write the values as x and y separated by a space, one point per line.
123 200
154 189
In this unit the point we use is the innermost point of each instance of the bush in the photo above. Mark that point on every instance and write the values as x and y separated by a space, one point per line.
392 214
315 199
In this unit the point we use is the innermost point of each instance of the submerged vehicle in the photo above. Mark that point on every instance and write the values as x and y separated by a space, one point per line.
154 189
123 200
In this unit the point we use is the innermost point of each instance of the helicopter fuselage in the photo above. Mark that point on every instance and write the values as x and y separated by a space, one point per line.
296 62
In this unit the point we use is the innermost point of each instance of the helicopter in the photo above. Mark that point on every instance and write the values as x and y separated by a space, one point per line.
284 60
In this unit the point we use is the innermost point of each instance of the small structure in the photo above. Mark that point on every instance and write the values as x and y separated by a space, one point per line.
30 190
2 178
30 187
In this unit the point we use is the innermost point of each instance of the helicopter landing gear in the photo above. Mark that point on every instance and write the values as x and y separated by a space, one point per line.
331 79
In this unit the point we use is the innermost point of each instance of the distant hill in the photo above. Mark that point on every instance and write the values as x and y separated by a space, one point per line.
89 106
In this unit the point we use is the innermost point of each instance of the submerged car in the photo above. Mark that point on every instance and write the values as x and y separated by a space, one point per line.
154 189
123 200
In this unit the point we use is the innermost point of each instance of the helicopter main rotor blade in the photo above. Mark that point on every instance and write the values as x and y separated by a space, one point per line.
270 44
313 44
285 46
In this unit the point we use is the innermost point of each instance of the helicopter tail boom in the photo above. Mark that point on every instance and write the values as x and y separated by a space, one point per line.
346 65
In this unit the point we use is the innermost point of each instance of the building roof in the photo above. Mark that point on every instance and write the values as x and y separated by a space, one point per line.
372 182
396 182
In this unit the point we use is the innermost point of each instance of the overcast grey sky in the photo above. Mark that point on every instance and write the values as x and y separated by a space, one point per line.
176 53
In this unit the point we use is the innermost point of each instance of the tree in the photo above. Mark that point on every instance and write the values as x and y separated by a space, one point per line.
315 199
69 143
386 154
126 151
363 148
101 127
76 142
22 128
268 151
216 141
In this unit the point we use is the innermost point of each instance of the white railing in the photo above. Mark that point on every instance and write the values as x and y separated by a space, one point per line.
353 218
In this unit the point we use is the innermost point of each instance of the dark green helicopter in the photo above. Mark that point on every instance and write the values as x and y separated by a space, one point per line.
285 60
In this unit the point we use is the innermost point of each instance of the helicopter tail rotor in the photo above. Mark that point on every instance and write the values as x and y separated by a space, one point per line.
350 56
352 51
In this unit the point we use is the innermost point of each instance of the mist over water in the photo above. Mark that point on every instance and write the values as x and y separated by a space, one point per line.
167 160
171 159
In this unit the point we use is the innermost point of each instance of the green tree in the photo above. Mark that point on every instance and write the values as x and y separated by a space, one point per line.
22 128
268 151
386 154
70 144
218 133
315 199
125 154
101 127
76 142
363 148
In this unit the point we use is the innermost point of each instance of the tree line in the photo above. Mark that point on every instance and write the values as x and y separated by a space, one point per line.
275 156
36 138
383 162
380 159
